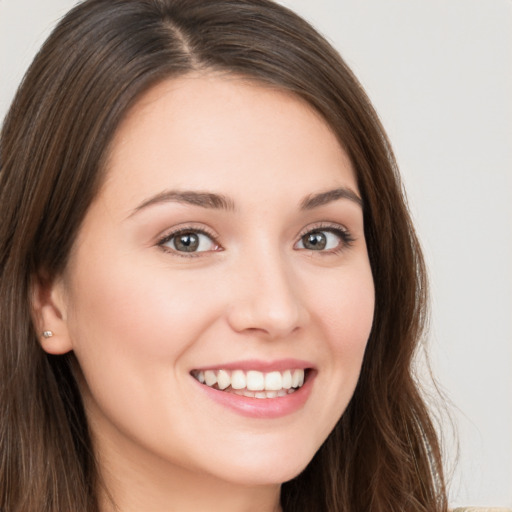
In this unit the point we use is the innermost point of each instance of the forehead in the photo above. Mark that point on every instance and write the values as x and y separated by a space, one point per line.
222 131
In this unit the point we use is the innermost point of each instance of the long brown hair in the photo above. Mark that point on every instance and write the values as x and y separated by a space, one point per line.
383 454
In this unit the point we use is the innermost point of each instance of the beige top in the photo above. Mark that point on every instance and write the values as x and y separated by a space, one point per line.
481 509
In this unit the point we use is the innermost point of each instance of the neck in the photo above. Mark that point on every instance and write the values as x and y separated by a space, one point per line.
174 492
186 495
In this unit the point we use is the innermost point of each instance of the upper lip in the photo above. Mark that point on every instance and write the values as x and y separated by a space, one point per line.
260 365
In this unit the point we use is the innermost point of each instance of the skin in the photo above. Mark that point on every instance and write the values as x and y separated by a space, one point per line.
140 317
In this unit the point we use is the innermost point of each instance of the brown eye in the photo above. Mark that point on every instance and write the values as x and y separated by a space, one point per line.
325 239
189 241
186 242
314 241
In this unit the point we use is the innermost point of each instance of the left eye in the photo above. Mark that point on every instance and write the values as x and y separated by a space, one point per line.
320 240
189 241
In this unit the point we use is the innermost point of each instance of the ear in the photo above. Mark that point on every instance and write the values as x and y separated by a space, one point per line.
49 313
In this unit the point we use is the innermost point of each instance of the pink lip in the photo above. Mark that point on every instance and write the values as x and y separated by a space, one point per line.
267 408
261 366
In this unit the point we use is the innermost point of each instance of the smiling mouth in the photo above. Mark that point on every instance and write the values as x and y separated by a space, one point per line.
253 383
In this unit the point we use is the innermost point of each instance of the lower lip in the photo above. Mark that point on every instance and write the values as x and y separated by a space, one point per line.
267 408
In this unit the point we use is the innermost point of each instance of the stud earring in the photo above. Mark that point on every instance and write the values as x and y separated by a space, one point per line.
47 334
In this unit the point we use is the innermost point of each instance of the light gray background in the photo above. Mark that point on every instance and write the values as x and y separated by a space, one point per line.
440 75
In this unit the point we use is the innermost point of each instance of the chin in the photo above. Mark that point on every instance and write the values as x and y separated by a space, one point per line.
275 469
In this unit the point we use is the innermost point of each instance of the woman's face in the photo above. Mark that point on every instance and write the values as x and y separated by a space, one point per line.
225 246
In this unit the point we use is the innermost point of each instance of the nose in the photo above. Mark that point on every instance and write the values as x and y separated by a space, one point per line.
267 298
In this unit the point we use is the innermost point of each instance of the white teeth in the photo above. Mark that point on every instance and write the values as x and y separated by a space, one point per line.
296 378
287 379
254 384
255 381
223 379
210 378
273 381
238 380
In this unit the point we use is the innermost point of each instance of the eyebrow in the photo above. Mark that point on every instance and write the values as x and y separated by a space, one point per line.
202 199
221 202
323 198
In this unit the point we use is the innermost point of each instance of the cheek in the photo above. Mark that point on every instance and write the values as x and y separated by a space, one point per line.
130 330
151 312
345 312
345 309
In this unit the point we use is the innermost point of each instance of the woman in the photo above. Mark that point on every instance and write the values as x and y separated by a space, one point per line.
211 290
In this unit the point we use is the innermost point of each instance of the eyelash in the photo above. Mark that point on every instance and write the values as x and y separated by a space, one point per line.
346 239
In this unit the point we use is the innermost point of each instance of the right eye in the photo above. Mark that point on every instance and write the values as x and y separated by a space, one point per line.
189 241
